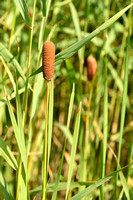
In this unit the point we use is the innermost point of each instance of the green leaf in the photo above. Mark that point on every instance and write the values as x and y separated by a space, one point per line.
123 108
58 175
91 188
61 186
62 157
105 126
21 4
73 150
67 53
75 20
12 96
19 118
116 77
126 189
11 60
7 154
4 187
21 131
66 131
9 73
70 106
17 135
44 7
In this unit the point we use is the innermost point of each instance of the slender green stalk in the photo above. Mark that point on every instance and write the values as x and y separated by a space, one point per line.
87 141
13 27
42 29
62 158
19 179
28 70
124 98
73 150
105 129
45 147
50 117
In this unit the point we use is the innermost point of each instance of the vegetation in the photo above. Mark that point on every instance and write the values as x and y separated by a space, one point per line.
70 137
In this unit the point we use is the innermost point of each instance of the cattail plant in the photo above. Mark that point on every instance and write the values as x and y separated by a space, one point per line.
91 67
48 60
91 71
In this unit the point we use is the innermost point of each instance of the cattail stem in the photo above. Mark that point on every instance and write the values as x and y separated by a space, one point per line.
50 117
45 147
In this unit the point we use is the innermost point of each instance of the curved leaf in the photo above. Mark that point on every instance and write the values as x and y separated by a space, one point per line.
7 154
21 4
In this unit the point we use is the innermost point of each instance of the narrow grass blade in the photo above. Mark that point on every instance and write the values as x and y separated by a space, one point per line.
21 4
44 20
19 118
61 186
73 151
71 72
11 60
36 72
10 97
37 89
17 134
58 176
116 77
23 184
105 127
9 74
5 188
66 132
50 117
128 193
75 20
41 33
123 109
70 106
94 185
67 129
124 98
7 155
91 188
67 53
44 7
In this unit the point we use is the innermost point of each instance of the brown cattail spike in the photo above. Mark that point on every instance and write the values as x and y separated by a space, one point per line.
48 60
91 67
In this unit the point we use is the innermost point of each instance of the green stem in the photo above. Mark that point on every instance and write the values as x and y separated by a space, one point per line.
105 130
29 61
125 87
19 179
45 147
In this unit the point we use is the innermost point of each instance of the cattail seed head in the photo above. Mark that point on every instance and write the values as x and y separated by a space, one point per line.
91 67
48 60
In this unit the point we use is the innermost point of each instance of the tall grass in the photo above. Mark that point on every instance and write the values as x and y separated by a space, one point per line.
50 147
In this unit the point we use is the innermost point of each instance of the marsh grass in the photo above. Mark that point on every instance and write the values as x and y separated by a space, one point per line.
50 147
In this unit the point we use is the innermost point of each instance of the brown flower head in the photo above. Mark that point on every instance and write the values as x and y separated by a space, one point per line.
48 60
91 67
